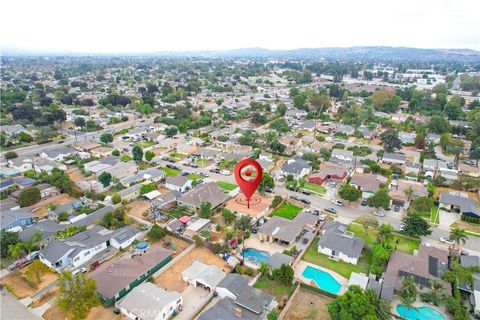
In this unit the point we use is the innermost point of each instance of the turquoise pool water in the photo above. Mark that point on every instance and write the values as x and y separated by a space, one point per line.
420 313
324 280
256 256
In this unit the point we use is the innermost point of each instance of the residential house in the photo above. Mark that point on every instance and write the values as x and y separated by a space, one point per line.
459 201
367 133
47 190
101 152
130 193
47 165
207 192
412 168
256 210
368 183
296 166
207 276
122 169
407 138
178 183
14 220
100 165
295 113
328 172
21 164
12 130
58 154
196 227
9 203
337 242
150 302
207 153
117 278
341 156
266 161
79 249
124 237
345 129
165 201
47 228
402 191
429 264
308 125
292 144
394 158
468 170
150 174
285 231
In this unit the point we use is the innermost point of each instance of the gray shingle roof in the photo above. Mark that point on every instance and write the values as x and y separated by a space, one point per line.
286 230
210 192
225 309
47 228
335 237
7 217
295 166
234 283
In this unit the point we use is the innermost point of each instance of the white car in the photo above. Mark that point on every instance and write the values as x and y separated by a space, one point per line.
338 203
446 240
225 172
379 213
81 270
402 227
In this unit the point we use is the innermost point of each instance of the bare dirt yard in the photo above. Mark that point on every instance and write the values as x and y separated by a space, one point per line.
45 297
438 190
179 244
171 279
40 209
17 283
137 208
309 306
96 313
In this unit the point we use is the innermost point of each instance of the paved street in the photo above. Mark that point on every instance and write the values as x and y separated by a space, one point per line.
13 309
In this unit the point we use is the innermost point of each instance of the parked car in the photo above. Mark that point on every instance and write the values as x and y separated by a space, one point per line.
214 170
396 208
292 188
402 227
306 201
295 197
184 174
447 240
305 191
337 202
364 203
18 264
33 255
379 213
61 141
225 172
193 165
77 271
331 210
322 217
269 190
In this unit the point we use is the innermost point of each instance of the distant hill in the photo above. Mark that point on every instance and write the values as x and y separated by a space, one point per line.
373 53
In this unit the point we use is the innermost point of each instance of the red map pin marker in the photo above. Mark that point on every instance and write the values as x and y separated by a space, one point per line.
248 187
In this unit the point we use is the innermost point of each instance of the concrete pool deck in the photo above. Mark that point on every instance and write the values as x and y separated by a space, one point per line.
418 303
300 267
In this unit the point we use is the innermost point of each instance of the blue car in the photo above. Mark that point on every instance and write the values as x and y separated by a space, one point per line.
184 174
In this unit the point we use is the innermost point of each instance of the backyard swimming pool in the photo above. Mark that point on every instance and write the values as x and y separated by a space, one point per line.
420 313
324 280
256 256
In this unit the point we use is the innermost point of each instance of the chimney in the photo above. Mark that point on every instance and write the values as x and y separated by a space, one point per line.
238 312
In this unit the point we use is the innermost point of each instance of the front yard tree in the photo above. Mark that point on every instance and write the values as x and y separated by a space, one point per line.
149 155
459 236
106 138
349 192
205 210
266 183
367 222
243 223
105 178
228 216
381 199
29 197
76 295
415 225
385 234
390 140
116 198
156 233
80 122
7 239
137 153
284 274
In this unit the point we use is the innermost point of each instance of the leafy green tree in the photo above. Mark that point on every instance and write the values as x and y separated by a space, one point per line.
459 236
80 122
423 204
266 183
7 239
353 304
281 108
349 192
116 153
137 153
279 125
171 131
380 199
76 294
116 198
148 187
149 155
415 225
29 197
438 124
156 233
380 256
385 234
276 201
105 178
367 221
106 138
284 274
272 315
11 155
382 306
205 210
390 140
228 216
264 269
145 109
243 223
15 250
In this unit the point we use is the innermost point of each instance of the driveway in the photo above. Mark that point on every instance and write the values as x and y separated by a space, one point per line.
194 299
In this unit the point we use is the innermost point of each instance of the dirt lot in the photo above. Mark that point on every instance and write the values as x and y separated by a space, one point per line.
96 313
179 243
76 175
172 278
44 298
438 190
309 306
42 205
137 207
20 288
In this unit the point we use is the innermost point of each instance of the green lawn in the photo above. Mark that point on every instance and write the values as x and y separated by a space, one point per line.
177 155
169 171
126 158
179 212
345 269
203 163
277 289
315 187
194 177
145 144
405 244
472 234
287 211
435 215
226 186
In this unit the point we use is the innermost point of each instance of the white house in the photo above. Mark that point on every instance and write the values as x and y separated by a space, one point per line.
336 242
204 275
178 183
149 302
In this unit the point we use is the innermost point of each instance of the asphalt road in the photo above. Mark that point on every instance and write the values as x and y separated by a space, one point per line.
12 309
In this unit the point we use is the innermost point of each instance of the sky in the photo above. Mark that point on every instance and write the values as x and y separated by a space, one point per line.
116 26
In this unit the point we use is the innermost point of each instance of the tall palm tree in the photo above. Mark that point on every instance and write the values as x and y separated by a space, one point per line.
385 234
458 235
382 306
14 250
408 295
